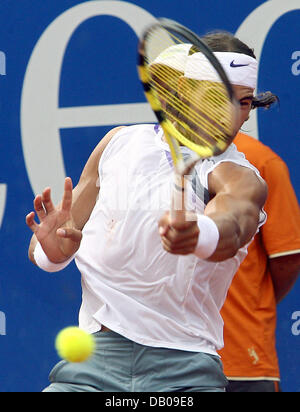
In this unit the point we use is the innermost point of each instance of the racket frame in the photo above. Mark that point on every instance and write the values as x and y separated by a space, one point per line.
173 136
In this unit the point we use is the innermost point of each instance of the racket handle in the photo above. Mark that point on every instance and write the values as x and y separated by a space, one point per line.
178 212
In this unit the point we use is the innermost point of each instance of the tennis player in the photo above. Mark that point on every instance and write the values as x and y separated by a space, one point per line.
152 287
272 265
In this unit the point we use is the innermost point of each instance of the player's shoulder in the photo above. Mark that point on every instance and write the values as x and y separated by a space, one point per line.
131 130
116 133
255 151
135 135
119 138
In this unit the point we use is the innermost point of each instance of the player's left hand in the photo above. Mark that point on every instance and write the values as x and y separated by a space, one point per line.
178 238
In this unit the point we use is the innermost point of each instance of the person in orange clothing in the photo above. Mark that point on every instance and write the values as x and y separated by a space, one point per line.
265 277
271 268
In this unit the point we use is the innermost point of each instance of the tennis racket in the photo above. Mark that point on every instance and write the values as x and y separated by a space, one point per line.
190 95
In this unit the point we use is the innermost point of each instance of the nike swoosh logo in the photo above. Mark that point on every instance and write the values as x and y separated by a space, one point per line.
232 64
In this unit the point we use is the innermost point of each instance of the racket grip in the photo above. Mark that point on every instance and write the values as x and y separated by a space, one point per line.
178 211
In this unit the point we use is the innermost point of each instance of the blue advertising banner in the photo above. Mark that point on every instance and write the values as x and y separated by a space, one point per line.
67 76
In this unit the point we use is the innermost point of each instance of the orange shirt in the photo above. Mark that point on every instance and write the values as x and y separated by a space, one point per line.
249 312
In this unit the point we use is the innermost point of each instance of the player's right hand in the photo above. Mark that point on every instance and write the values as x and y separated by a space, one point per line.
56 231
178 238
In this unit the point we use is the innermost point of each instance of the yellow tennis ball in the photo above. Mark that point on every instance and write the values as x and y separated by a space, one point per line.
74 345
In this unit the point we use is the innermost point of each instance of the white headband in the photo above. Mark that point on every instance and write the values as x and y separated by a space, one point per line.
241 69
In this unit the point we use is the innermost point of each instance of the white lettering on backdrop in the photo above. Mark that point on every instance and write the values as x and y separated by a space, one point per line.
254 32
41 117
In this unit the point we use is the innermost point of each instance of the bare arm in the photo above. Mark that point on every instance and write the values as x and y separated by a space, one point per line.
238 197
281 234
284 271
59 230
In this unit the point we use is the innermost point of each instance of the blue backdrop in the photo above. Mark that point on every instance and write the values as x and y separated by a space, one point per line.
67 75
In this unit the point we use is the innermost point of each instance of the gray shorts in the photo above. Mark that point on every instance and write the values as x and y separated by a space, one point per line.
120 365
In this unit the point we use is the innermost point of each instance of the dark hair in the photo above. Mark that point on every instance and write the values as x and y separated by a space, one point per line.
222 41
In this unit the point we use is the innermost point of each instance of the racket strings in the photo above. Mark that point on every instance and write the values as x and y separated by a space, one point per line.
214 96
219 95
175 40
209 97
178 106
198 113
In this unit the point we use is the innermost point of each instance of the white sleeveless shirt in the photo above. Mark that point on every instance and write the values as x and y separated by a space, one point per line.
129 283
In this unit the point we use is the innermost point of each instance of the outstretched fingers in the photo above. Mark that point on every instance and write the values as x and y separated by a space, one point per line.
31 223
47 201
39 208
43 204
67 197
